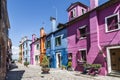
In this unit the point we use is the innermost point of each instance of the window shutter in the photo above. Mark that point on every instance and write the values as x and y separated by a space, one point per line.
78 34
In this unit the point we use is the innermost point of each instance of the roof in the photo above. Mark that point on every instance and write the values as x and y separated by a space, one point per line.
35 41
75 4
59 28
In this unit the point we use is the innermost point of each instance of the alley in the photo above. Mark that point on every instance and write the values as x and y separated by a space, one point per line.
34 73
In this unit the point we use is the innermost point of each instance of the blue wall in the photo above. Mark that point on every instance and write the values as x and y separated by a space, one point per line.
27 50
62 49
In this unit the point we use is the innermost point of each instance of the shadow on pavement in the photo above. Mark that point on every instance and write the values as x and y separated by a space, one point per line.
15 75
13 66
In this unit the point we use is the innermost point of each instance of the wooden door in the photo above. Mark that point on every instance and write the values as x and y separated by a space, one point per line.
115 59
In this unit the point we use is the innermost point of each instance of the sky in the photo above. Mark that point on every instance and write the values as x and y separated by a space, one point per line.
28 16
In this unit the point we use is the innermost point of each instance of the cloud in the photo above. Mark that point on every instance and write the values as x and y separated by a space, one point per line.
15 50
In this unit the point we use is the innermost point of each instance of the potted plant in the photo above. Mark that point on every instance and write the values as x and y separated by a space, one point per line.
26 63
45 65
69 66
63 67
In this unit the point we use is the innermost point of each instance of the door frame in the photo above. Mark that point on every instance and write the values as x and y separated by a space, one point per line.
109 57
57 61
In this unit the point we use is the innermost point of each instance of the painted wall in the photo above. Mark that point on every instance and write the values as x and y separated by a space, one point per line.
75 43
36 54
32 49
42 44
63 47
51 50
97 39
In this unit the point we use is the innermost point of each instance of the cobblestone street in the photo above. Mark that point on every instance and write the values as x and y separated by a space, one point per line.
34 73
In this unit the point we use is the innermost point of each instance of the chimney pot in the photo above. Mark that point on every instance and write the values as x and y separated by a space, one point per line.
93 4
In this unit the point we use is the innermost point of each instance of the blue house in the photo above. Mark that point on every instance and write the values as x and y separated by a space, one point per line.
56 45
61 57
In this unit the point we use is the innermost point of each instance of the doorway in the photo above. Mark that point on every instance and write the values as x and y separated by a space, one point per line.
113 59
58 60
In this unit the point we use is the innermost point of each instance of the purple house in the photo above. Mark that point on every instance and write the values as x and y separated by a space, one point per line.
32 49
94 35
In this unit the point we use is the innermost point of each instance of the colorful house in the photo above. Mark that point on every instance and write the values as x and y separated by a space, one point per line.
56 43
50 44
35 51
42 43
61 56
25 45
93 35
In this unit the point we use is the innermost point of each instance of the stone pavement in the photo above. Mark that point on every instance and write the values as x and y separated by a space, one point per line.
34 73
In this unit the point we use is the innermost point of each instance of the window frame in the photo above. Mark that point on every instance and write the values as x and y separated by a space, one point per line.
47 43
106 26
80 28
81 58
37 46
56 41
73 15
83 11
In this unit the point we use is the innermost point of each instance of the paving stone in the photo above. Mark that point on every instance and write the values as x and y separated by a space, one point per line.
34 73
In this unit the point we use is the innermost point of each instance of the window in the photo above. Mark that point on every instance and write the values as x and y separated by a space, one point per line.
83 55
36 58
73 13
81 32
26 44
112 23
48 44
37 46
58 41
83 11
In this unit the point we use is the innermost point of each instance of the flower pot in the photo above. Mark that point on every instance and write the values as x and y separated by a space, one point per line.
45 70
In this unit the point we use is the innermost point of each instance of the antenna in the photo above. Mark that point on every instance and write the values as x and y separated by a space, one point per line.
55 12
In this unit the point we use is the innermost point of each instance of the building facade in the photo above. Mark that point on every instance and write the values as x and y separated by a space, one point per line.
35 51
25 49
93 35
20 52
9 54
56 45
42 43
4 28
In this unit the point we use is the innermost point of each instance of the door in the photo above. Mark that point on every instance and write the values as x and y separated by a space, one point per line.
115 59
58 60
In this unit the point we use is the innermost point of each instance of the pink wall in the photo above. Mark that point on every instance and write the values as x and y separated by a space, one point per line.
96 40
74 44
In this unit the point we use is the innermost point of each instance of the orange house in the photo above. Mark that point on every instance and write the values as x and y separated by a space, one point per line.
42 43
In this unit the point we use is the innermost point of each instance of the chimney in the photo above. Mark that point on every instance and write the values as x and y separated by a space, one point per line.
93 4
53 20
33 37
42 32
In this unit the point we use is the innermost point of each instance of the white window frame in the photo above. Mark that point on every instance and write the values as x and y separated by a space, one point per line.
82 28
60 38
84 49
74 13
106 27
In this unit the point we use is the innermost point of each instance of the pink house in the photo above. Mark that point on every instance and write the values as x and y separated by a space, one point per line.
94 35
